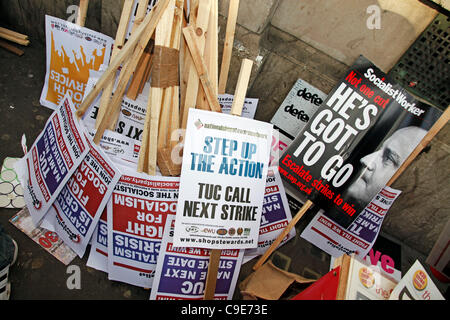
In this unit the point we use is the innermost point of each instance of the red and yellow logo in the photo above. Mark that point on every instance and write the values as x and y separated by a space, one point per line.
420 280
366 277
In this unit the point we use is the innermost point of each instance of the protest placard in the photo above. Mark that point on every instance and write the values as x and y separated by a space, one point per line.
52 159
71 51
300 105
416 284
181 272
222 183
78 207
365 129
275 214
137 211
357 238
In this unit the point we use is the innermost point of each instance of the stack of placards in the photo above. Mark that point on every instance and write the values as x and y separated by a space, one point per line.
169 179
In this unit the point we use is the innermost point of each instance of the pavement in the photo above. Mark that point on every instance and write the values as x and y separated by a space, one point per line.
39 275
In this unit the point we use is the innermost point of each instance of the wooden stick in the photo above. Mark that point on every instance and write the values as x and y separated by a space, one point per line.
146 77
125 74
344 263
211 278
192 86
82 12
118 43
201 69
14 39
144 32
214 258
283 234
228 44
140 15
149 147
170 109
132 91
438 125
13 33
241 87
171 98
140 73
210 56
5 45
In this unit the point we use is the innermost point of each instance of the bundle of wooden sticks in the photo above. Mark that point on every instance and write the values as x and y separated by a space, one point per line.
178 51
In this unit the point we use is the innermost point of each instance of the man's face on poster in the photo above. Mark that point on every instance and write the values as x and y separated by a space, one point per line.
380 166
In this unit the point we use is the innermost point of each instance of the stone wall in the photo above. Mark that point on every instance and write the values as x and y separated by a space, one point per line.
315 40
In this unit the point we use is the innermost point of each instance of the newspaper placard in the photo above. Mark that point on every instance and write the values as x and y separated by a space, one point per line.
363 132
181 272
275 214
71 52
98 256
77 209
137 212
52 159
222 183
46 239
416 284
360 236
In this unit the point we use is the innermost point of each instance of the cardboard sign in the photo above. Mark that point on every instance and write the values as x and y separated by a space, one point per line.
347 152
51 161
222 183
137 213
181 272
416 284
71 52
301 103
357 238
78 207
